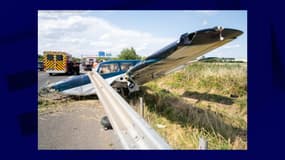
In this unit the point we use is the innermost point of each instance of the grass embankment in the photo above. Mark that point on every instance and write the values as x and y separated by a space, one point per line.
203 100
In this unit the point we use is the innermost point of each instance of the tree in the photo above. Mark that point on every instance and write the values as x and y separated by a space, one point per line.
40 57
75 59
127 53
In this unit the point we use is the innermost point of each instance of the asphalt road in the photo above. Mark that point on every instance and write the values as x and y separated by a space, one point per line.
44 79
73 125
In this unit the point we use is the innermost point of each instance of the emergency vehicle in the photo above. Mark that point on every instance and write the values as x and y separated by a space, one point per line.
59 62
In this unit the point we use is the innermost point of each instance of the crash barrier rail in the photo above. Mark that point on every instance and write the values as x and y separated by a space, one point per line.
133 131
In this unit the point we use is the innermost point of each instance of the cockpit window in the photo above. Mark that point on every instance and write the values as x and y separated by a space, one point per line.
108 68
126 66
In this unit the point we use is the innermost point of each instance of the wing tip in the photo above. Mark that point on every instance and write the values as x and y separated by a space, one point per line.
232 33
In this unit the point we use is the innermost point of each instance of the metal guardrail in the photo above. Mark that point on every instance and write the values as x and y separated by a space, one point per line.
132 129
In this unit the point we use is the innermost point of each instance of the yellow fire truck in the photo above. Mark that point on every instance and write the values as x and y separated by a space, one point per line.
59 62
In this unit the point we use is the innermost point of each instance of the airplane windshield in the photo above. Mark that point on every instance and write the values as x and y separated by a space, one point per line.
126 66
108 68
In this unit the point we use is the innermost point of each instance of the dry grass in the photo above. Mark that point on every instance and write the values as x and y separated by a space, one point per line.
55 102
204 100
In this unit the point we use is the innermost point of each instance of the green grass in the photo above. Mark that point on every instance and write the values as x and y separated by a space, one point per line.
203 100
223 78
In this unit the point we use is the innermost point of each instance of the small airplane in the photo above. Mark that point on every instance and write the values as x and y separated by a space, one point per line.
128 75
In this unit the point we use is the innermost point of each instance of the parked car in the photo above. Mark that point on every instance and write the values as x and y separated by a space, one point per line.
40 66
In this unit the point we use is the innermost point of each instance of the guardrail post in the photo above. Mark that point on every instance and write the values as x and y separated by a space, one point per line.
141 107
133 131
203 144
131 102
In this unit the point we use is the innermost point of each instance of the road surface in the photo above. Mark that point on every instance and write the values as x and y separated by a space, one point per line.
72 124
44 79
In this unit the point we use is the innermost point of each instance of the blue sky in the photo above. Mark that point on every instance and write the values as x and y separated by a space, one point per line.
87 32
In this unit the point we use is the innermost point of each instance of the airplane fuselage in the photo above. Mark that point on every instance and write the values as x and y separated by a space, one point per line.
81 85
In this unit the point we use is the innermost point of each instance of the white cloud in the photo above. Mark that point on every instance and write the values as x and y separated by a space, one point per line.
205 22
81 34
